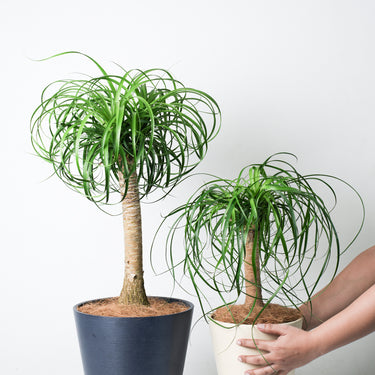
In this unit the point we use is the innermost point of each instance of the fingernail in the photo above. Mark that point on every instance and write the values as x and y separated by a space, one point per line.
239 342
261 326
240 359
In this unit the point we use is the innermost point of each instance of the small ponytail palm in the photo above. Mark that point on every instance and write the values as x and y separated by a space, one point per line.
124 135
269 224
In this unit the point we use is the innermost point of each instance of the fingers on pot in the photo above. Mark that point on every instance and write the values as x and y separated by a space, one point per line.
268 370
257 360
254 344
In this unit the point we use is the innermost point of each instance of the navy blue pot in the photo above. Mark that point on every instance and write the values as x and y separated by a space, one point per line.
134 346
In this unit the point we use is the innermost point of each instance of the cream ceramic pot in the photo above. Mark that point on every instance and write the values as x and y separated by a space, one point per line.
227 350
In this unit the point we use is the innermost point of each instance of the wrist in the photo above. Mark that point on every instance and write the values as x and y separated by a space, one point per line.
308 317
318 346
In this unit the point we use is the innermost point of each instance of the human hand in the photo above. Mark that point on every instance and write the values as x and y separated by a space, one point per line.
293 348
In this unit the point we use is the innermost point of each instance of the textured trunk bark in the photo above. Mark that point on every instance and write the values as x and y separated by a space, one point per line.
133 291
252 280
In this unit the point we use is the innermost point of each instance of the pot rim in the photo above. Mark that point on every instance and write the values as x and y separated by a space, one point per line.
227 325
189 304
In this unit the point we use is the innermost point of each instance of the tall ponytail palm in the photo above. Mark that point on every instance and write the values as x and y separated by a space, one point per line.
124 135
261 232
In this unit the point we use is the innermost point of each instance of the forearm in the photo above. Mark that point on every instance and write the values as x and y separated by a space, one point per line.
354 322
353 281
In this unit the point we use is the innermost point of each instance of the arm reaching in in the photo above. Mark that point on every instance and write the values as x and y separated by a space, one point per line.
346 308
352 282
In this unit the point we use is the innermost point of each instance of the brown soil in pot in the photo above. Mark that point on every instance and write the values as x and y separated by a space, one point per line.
111 307
274 314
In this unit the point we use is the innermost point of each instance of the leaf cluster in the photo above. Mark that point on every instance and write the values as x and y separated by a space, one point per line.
143 122
291 222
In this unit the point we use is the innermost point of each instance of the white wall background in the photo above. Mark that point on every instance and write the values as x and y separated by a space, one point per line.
290 75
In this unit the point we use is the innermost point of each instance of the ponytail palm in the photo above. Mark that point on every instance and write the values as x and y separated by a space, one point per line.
118 137
261 232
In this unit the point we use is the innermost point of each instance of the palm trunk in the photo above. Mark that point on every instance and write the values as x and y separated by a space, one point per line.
133 291
252 280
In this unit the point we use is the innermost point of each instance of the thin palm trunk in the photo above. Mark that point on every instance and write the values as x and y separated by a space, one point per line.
133 291
253 286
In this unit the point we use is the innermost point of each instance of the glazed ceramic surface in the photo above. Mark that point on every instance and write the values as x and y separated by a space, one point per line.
227 351
133 346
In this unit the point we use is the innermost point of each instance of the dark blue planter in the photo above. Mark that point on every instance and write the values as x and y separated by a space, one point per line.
134 346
